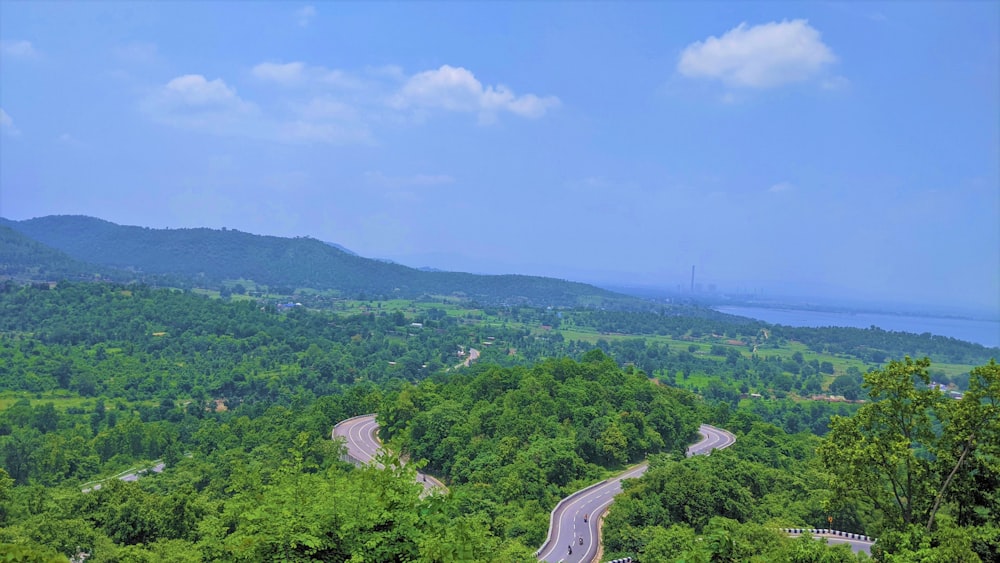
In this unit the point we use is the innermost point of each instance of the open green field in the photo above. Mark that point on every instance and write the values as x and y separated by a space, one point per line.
451 307
62 400
484 318
700 346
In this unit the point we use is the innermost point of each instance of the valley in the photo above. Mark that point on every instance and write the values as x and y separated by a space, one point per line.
513 401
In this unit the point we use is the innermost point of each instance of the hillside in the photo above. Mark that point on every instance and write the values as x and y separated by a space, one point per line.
234 403
24 258
211 257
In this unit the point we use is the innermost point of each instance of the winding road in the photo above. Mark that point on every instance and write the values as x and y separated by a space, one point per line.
567 526
857 542
360 437
128 476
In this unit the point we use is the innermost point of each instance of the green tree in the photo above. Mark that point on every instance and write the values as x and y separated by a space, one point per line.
6 485
970 453
904 450
16 451
846 385
29 554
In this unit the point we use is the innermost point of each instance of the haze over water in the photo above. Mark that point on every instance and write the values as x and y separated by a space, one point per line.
982 332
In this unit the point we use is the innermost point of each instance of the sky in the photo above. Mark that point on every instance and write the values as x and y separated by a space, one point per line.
846 150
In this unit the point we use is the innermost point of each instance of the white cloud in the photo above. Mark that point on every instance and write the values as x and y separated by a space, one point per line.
449 88
305 15
287 73
299 74
326 119
781 187
456 89
195 91
762 56
193 102
18 48
7 124
323 105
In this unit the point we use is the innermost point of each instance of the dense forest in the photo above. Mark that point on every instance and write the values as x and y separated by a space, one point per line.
514 441
737 498
24 258
913 467
188 345
236 398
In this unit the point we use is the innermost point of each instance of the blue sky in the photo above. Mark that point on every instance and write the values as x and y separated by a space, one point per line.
829 149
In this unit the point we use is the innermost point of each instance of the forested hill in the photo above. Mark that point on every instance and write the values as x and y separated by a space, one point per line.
22 257
210 257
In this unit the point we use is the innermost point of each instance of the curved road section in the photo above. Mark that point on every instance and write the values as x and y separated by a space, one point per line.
567 526
857 542
361 438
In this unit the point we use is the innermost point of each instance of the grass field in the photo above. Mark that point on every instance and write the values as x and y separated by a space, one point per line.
62 400
699 346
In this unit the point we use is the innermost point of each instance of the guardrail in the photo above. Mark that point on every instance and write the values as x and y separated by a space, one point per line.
552 514
797 531
829 532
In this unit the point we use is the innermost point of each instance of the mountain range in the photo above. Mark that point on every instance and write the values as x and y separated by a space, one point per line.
75 247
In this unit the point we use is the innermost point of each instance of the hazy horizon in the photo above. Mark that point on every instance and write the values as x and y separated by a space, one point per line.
850 148
765 293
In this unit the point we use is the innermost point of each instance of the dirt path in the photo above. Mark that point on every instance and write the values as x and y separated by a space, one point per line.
473 356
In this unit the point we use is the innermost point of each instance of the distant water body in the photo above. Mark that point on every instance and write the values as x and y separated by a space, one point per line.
982 332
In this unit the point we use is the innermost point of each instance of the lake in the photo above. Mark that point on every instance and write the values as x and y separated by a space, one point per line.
982 332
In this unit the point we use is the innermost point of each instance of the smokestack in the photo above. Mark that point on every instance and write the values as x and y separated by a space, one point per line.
692 279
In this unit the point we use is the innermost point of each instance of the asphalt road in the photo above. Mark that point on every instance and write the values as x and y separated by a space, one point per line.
132 475
360 437
856 544
567 526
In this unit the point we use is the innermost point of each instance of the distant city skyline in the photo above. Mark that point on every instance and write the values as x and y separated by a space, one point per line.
843 147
